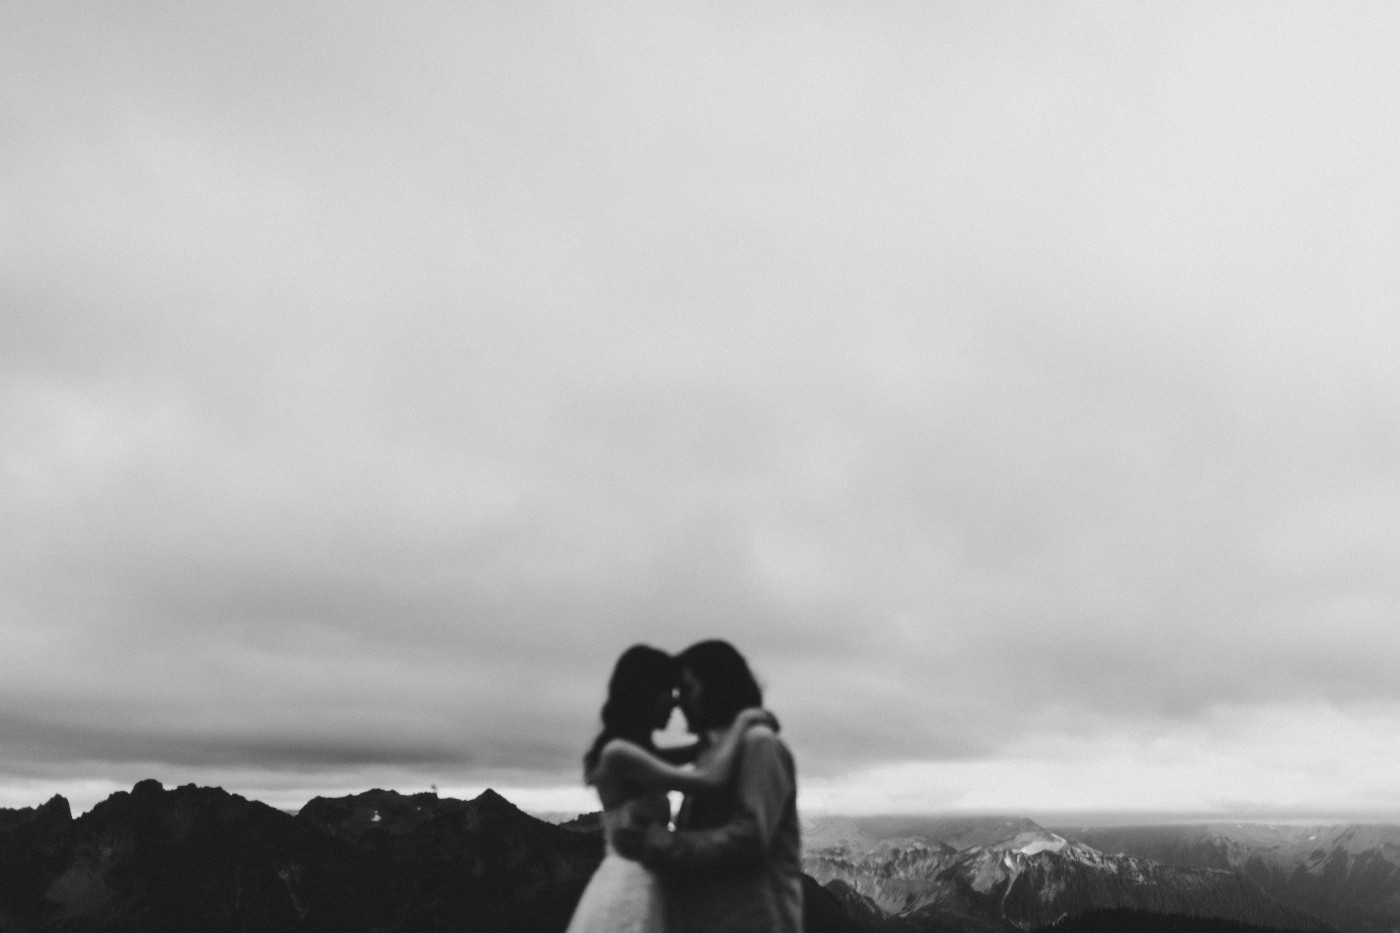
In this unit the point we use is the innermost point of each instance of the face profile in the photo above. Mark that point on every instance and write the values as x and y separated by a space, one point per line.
730 859
665 703
691 695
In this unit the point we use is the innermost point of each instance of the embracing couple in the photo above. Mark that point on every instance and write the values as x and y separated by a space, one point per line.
732 863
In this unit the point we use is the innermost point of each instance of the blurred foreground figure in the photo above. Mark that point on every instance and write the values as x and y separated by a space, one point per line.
733 862
632 777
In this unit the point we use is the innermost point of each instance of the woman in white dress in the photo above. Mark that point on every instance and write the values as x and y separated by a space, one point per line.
632 777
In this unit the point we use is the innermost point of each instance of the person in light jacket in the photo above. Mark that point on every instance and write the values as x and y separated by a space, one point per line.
733 863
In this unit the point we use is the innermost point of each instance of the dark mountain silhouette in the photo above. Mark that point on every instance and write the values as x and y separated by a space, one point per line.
823 911
585 822
33 850
202 859
157 860
56 811
475 864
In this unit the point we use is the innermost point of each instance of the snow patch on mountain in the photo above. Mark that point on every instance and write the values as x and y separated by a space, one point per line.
1034 842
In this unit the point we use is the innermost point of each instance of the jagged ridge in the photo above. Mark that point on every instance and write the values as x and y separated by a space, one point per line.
1347 875
1034 879
199 858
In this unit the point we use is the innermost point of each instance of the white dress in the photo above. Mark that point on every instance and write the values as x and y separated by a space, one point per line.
624 896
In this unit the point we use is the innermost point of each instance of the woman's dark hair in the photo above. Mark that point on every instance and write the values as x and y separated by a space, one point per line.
641 675
728 684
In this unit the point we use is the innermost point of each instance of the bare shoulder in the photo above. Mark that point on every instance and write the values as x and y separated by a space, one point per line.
624 746
619 750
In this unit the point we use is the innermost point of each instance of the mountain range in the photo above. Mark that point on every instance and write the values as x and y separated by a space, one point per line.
159 859
1347 875
1027 880
202 860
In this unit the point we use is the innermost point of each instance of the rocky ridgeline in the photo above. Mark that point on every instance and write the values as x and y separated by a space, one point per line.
201 859
1347 875
1029 881
892 880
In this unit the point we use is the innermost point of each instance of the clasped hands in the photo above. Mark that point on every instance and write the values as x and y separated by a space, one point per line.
630 841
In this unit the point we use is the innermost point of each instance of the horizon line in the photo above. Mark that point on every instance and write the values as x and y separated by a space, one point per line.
1047 818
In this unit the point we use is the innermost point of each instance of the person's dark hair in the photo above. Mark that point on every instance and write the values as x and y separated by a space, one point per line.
641 675
728 684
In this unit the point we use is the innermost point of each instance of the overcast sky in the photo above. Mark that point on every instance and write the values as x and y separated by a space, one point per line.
1014 384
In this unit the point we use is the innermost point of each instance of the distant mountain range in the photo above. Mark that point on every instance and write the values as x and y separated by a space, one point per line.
1029 880
1348 876
927 871
194 859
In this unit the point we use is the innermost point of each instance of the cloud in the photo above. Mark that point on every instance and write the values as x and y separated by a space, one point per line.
368 383
1266 762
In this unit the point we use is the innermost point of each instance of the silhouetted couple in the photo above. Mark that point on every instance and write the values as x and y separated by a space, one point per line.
732 864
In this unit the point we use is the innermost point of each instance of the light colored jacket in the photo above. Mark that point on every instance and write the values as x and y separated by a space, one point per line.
734 862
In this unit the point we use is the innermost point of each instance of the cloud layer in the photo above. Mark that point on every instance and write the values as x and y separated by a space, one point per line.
369 380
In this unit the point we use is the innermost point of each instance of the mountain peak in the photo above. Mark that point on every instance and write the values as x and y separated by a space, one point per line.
1033 842
55 810
489 798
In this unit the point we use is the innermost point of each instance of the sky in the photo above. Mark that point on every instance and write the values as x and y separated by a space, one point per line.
1012 383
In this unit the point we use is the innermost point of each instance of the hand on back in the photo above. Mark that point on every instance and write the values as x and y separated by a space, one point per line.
756 716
